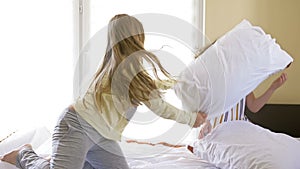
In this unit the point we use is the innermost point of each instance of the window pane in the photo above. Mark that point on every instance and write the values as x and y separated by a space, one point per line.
35 63
103 11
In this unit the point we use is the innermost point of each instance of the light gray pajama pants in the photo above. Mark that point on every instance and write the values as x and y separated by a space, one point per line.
76 145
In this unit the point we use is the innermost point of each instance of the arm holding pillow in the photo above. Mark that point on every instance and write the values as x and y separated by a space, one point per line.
255 104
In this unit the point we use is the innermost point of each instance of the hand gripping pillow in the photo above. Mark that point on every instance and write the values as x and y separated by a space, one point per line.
230 69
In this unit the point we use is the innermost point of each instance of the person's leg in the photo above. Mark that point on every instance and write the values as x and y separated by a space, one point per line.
70 143
76 145
27 158
103 153
87 165
100 157
89 149
15 157
70 146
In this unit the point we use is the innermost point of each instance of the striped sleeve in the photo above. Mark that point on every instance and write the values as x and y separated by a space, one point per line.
237 112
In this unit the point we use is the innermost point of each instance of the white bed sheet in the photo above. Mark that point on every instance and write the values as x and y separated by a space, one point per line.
141 156
178 158
138 156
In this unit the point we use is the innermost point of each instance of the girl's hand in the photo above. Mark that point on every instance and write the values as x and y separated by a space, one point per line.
201 118
205 128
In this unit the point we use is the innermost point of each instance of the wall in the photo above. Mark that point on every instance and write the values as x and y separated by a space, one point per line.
278 18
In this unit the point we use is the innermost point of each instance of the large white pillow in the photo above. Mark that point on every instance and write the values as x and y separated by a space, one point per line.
230 69
241 144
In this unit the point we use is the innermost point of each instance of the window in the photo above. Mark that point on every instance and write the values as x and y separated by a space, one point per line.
36 62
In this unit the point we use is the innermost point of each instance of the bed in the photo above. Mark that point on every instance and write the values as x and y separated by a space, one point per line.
226 147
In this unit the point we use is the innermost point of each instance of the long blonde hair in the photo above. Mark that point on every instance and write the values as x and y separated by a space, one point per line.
122 72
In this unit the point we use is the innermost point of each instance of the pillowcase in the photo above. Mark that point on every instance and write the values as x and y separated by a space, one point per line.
230 69
241 144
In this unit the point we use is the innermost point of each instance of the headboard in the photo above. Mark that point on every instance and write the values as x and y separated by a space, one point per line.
283 118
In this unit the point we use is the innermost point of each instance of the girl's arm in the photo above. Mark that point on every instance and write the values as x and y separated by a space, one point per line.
255 104
168 111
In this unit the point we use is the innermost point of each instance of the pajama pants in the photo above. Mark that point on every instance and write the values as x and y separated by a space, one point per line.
75 145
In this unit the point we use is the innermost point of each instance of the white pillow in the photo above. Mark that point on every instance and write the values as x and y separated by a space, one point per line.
230 69
241 144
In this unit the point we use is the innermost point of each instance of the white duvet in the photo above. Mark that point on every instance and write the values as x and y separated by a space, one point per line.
236 144
241 144
230 69
138 156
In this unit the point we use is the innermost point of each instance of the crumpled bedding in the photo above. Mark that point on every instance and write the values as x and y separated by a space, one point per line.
160 156
241 144
236 144
138 156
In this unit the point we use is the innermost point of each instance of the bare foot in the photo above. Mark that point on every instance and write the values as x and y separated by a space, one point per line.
11 157
48 158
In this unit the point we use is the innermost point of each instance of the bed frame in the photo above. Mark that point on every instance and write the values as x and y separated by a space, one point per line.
283 118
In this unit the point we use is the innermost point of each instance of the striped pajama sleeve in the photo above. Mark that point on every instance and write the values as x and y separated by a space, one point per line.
237 112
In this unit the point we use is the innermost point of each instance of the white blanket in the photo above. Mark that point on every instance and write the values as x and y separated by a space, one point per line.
229 70
138 156
236 144
241 144
143 157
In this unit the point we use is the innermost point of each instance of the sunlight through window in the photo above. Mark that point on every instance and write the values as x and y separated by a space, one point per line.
35 63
